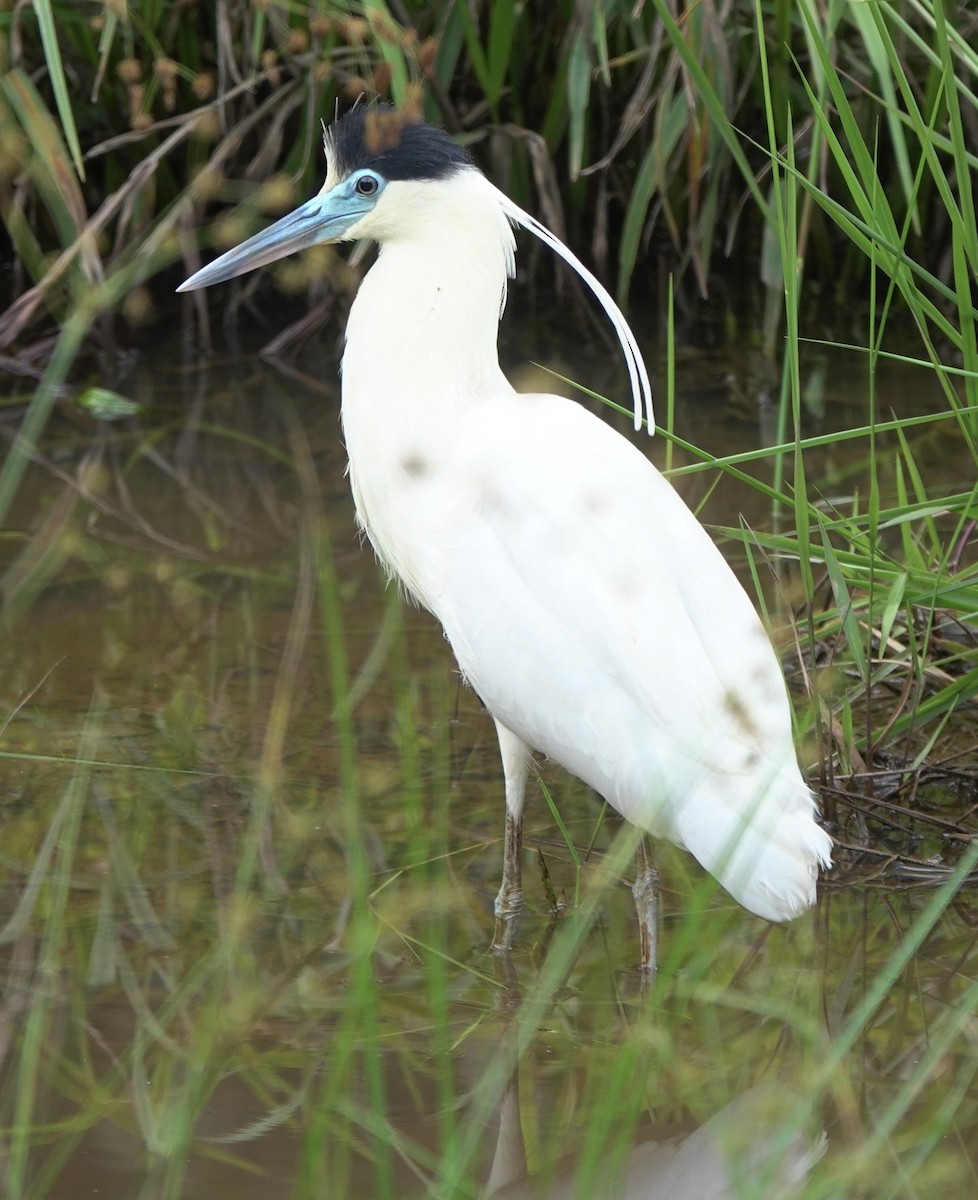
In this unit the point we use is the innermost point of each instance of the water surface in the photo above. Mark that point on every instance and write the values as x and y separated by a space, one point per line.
251 833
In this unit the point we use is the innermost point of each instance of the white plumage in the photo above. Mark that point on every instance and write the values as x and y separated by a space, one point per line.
585 603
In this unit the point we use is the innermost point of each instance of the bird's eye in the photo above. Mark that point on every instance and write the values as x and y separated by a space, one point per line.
366 185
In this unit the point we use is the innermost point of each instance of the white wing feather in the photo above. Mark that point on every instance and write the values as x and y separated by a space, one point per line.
616 639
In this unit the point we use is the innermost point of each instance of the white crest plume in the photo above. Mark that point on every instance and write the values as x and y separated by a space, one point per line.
638 375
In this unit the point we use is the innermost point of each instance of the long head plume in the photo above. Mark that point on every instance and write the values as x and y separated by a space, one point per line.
638 375
385 144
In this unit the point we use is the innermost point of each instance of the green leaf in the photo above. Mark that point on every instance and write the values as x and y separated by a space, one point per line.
107 405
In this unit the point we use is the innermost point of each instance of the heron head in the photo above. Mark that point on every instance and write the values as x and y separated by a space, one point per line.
369 152
381 164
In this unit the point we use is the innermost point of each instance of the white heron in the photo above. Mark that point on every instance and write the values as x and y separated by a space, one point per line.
585 604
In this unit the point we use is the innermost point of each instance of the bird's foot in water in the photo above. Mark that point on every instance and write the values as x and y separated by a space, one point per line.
509 905
645 891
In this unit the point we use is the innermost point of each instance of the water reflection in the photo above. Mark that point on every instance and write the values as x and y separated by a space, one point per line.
738 1151
249 846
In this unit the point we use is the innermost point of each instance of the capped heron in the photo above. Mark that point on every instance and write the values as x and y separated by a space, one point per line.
586 605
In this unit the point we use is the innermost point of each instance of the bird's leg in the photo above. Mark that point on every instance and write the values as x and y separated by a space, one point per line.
645 890
509 902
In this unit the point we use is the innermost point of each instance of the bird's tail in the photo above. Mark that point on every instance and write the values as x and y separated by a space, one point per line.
760 840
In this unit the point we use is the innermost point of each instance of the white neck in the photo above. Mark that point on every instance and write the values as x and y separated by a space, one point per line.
421 338
420 357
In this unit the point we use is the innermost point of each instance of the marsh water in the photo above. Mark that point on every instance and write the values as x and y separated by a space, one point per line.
251 834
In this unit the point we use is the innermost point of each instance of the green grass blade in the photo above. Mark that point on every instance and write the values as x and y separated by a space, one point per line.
52 53
578 95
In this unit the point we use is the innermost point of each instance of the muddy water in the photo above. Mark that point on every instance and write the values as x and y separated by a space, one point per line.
250 839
